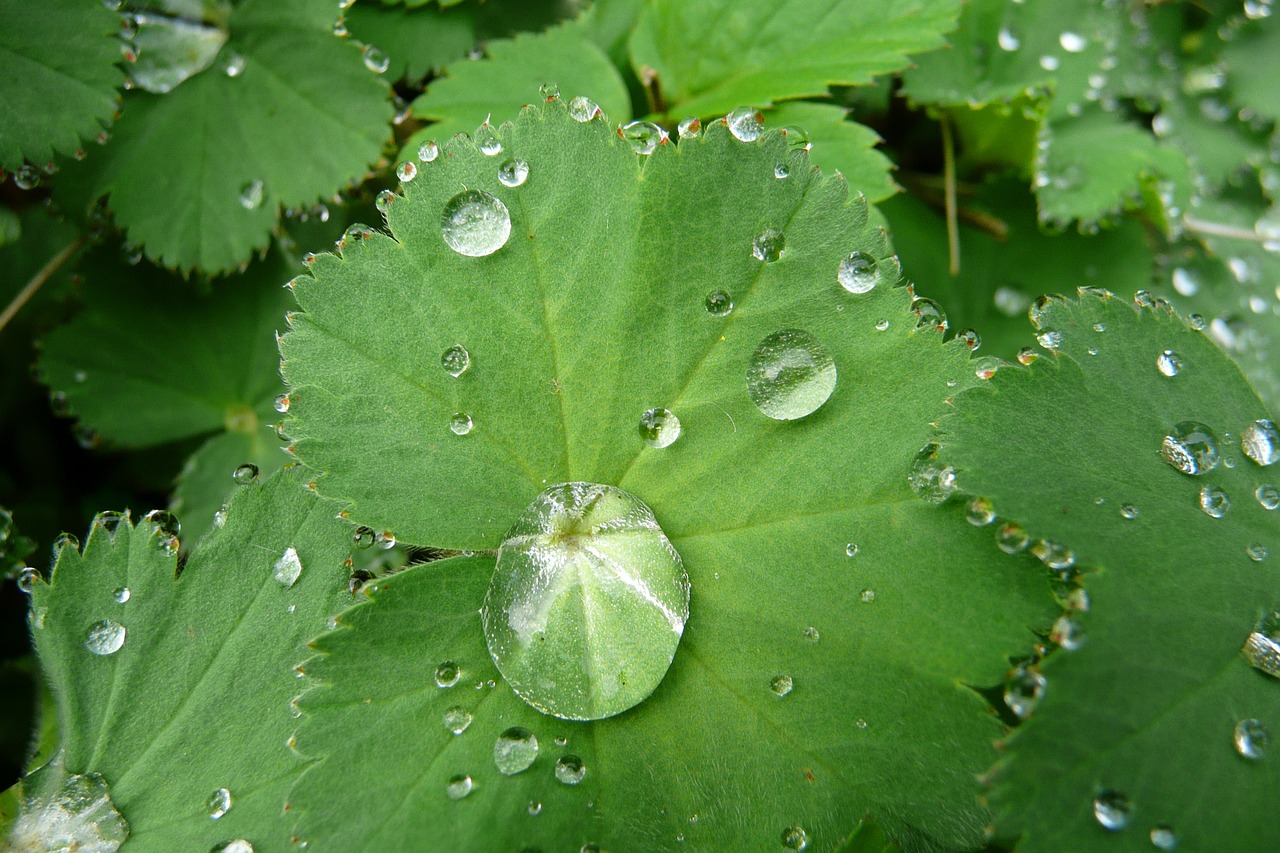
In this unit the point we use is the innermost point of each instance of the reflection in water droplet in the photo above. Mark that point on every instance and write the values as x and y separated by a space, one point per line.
475 223
27 579
514 750
781 172
406 172
718 303
570 770
644 137
1024 689
374 59
237 846
689 128
811 634
1012 538
1169 363
1067 633
447 674
66 812
1262 648
1256 551
1260 441
1214 501
1268 496
781 685
488 141
790 375
456 719
428 151
795 838
513 173
858 273
1190 447
851 550
455 360
745 123
929 314
882 325
932 481
121 595
659 427
105 637
459 786
1112 810
583 109
1129 511
460 423
1054 555
980 512
1027 355
218 804
1252 739
287 568
867 596
245 474
768 245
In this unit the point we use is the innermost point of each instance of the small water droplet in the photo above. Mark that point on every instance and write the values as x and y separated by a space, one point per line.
1072 42
1190 447
745 123
570 770
1214 501
1129 511
858 272
1007 40
781 172
1112 810
689 128
447 674
234 66
460 423
245 474
1252 739
851 550
768 245
1027 355
535 808
644 137
475 223
1024 689
456 719
882 325
781 685
811 634
932 481
513 173
287 568
219 803
27 578
455 360
1050 339
1067 633
459 786
867 596
105 637
1268 496
790 375
251 195
795 838
659 427
1256 551
718 303
428 151
980 512
1053 554
515 750
121 595
1049 62
1163 838
406 171
1260 441
282 403
970 338
1169 363
583 109
374 59
25 177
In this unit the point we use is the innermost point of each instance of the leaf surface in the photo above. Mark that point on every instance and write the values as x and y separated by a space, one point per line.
839 145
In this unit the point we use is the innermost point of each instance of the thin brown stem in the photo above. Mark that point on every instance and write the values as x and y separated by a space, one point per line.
37 281
949 188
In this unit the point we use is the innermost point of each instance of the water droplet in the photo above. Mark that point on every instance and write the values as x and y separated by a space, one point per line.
659 427
1067 633
251 195
851 550
406 172
447 674
970 338
121 595
1214 501
428 151
811 634
245 474
105 637
219 803
374 59
475 223
1260 441
644 137
513 173
234 66
514 750
460 423
1169 363
1054 555
1164 838
1049 62
689 128
932 481
1072 42
1112 810
1023 690
459 786
1268 496
1252 739
282 403
882 325
781 172
1050 339
583 109
456 719
718 303
1027 355
237 846
745 123
790 375
867 596
287 568
768 245
1190 447
27 578
535 808
781 685
455 360
795 838
858 272
1129 511
929 314
980 512
1007 40
1262 648
1256 551
570 770
164 531
70 812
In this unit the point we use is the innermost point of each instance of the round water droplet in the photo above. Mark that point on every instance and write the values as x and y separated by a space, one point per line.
406 172
1268 496
121 595
644 137
105 637
282 403
1067 633
251 195
534 808
781 172
218 804
374 59
245 474
455 360
447 674
1129 511
851 550
1072 42
1112 810
488 141
1027 355
811 634
1256 551
1252 739
689 128
858 273
583 109
460 423
932 481
456 719
513 173
1007 40
980 512
768 245
929 314
795 838
781 685
1214 501
234 66
288 568
1169 363
570 770
1260 441
745 123
970 338
475 223
1163 838
790 375
1054 555
1190 447
659 427
718 303
27 579
459 786
587 603
1050 339
882 325
514 750
428 151
1023 690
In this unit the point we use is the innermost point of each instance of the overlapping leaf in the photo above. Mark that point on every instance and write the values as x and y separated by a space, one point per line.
1143 712
839 145
197 696
592 312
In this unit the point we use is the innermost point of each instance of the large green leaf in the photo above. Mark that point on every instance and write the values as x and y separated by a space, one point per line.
286 115
197 696
58 78
592 312
1252 58
711 56
1148 704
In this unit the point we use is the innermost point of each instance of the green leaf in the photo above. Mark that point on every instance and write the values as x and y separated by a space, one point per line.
592 312
839 145
712 56
197 697
206 480
418 40
1252 60
301 115
58 78
1147 705
510 77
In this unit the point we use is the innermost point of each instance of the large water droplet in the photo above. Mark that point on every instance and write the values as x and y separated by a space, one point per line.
1252 739
1169 363
659 427
219 803
795 838
105 637
587 603
1024 690
858 273
287 568
514 750
475 223
1260 441
932 481
459 786
170 49
644 137
513 173
67 812
768 245
790 375
745 123
455 360
1112 810
1190 447
570 770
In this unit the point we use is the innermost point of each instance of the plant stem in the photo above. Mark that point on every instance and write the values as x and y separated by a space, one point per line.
1218 229
949 188
37 281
